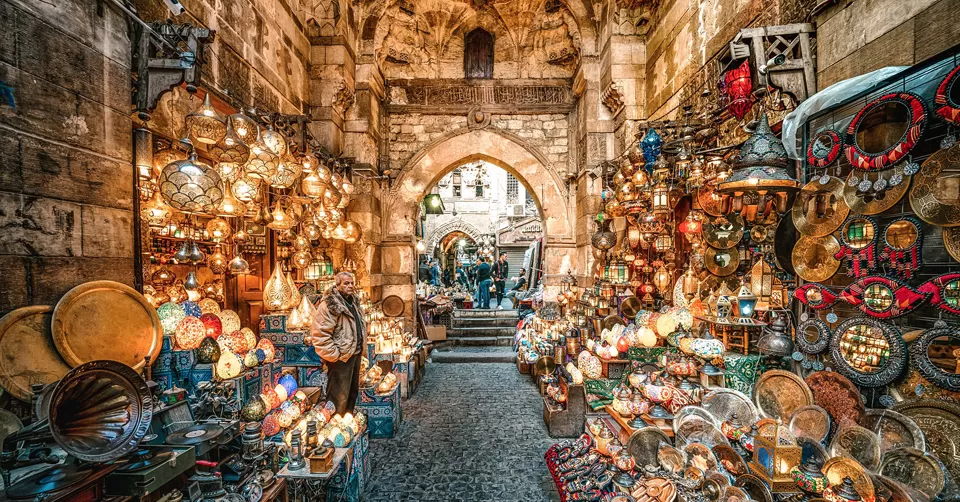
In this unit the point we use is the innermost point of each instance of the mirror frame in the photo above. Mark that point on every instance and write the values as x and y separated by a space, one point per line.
930 371
885 374
822 342
916 242
852 218
935 288
903 262
829 298
904 299
861 159
947 109
823 161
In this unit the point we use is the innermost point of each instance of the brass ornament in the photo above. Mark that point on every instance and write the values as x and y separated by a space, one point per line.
914 468
723 232
27 353
837 468
859 205
813 257
820 208
927 197
721 262
778 394
710 200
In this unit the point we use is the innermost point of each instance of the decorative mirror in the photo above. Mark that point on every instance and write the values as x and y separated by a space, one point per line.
824 148
901 246
937 356
723 232
885 131
813 336
721 262
948 98
858 241
815 296
883 298
868 352
944 292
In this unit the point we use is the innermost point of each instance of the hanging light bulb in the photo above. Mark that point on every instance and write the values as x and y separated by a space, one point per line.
263 161
217 261
352 233
231 206
206 125
281 220
301 259
156 212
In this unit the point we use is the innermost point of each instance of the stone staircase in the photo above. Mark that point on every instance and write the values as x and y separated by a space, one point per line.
483 327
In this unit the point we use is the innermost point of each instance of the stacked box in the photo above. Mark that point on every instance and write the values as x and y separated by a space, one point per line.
298 354
314 376
348 483
383 411
272 323
172 367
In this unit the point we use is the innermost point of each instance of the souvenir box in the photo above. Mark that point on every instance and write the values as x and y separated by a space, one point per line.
383 411
272 323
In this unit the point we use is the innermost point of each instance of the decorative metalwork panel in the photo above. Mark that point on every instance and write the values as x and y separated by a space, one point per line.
455 93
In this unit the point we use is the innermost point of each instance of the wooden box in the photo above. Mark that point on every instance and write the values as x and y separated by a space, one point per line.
567 423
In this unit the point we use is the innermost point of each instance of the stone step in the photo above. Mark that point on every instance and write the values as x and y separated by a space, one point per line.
468 313
493 322
487 341
504 355
475 331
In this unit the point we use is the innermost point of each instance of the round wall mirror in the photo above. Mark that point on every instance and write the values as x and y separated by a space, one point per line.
948 97
814 297
868 352
859 232
824 148
901 234
878 297
936 355
813 336
882 127
885 131
951 293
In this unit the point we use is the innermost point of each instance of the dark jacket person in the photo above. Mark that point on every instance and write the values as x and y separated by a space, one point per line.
338 334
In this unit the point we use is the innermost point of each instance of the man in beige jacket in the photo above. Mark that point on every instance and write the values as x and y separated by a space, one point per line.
338 334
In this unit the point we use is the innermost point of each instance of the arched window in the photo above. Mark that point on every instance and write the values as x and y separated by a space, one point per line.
478 54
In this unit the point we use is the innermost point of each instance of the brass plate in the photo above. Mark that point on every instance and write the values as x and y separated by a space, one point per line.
730 460
699 456
837 468
27 352
723 403
545 365
723 232
710 200
731 256
92 318
779 393
837 394
951 241
896 430
805 212
940 422
810 421
612 320
699 430
755 487
644 445
392 306
688 412
813 257
859 206
923 196
630 306
858 443
915 469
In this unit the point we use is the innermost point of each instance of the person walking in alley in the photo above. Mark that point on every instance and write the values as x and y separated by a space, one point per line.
500 270
484 282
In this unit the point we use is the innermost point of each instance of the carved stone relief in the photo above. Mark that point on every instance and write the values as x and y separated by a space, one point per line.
557 36
613 98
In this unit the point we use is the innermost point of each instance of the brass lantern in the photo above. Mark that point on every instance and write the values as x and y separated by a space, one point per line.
263 162
287 173
230 206
246 189
245 127
230 153
661 199
664 241
761 280
190 185
206 125
662 279
312 186
274 141
156 212
633 235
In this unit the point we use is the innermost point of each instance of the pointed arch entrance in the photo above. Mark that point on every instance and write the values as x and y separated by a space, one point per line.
400 210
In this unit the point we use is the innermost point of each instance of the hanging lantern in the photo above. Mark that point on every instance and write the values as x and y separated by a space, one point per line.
155 212
238 266
281 220
230 154
230 206
189 332
633 235
276 292
746 302
344 200
312 186
246 189
339 233
347 186
661 199
311 230
736 86
314 270
664 241
165 156
245 127
287 173
263 161
332 196
301 260
206 125
761 279
650 145
352 233
274 141
690 225
295 292
662 279
334 217
690 284
190 186
218 229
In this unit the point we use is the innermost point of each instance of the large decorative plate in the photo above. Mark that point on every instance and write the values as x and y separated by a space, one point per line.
887 371
755 487
721 262
837 394
723 232
837 468
813 219
940 423
814 258
859 204
810 421
644 445
730 460
858 443
710 201
691 411
106 320
779 393
723 403
27 353
812 450
914 468
951 241
392 306
933 199
699 430
895 430
824 148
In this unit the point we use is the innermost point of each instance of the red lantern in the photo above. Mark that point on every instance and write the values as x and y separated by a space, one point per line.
212 325
690 226
737 90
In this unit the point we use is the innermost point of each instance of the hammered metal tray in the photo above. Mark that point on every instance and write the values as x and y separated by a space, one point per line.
692 411
723 403
106 320
810 421
779 393
838 395
837 468
644 444
27 353
699 430
858 443
896 430
940 423
914 468
755 487
730 460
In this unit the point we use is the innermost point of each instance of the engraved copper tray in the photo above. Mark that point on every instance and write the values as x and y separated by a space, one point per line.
755 487
858 443
730 460
644 445
837 468
779 393
690 411
699 430
106 320
896 430
810 421
723 403
940 423
837 394
915 469
27 353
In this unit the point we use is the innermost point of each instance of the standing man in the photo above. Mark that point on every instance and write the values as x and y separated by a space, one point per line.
483 283
500 270
435 273
338 335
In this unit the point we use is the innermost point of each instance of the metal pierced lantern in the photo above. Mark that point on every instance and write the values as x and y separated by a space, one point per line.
217 261
281 219
746 303
246 189
352 233
230 153
662 279
206 125
218 229
231 206
312 186
156 212
276 292
761 279
604 238
331 197
245 127
263 161
288 171
238 266
274 141
664 241
190 186
661 199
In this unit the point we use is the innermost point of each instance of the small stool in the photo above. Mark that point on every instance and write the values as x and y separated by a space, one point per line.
712 379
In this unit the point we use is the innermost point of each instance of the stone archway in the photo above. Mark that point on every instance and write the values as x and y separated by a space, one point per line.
556 203
453 226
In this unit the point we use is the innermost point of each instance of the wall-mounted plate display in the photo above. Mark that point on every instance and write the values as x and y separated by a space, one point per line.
819 208
815 258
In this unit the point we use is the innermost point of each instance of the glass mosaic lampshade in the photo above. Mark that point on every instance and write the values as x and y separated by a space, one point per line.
209 306
189 332
170 314
254 410
208 351
249 340
276 292
191 186
268 349
229 365
213 328
229 321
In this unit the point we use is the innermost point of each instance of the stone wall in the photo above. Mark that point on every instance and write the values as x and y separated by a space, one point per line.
66 174
859 36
